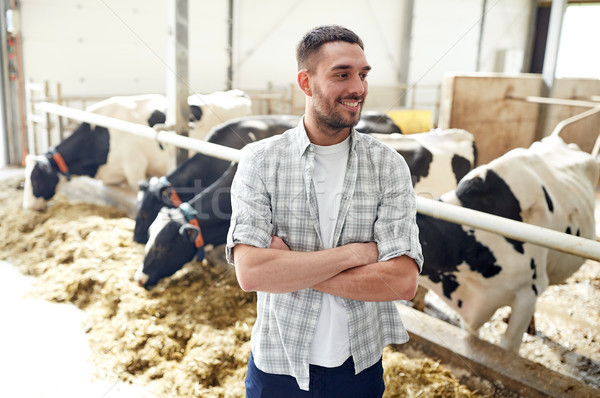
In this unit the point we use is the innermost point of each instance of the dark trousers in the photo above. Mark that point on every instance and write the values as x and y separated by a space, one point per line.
324 382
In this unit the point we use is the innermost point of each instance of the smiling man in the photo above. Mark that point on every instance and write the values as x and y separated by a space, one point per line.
323 229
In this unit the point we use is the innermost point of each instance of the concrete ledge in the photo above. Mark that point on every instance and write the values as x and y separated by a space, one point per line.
509 374
94 191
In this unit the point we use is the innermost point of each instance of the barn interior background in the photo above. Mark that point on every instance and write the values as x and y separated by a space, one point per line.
466 64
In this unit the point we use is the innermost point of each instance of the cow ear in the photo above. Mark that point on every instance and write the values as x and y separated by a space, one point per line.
195 113
44 165
189 232
143 185
166 196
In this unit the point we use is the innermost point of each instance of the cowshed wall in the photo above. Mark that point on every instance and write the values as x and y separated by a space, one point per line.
102 48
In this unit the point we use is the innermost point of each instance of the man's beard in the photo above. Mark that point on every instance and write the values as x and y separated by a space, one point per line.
332 119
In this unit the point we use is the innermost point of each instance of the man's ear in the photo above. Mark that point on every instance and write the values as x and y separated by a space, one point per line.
303 82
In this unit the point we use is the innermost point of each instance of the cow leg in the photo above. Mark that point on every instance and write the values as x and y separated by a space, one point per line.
521 314
531 327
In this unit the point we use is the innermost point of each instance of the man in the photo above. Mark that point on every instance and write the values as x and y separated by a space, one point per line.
323 229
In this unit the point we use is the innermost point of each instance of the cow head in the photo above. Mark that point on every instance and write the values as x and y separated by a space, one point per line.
152 196
170 246
173 242
41 180
176 235
81 153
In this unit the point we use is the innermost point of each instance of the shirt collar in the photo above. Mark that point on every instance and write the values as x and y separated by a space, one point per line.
301 141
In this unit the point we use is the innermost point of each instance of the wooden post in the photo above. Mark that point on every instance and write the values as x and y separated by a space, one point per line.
177 72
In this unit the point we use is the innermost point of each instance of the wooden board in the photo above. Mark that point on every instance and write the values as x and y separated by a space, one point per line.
464 354
478 103
583 132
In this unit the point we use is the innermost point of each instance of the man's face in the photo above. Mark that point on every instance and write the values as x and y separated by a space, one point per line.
339 85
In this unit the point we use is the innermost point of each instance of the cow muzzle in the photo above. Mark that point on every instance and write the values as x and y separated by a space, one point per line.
140 277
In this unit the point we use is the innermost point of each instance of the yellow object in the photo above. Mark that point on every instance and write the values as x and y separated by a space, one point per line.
412 121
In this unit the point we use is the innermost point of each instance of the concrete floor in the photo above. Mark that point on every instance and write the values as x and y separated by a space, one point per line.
44 349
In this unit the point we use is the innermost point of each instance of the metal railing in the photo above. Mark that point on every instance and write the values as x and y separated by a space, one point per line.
541 236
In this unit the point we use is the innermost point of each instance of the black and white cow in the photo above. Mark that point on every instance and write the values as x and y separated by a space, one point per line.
437 159
200 171
550 184
122 157
179 234
377 123
212 109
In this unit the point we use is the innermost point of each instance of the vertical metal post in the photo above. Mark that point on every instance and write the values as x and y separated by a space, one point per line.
32 145
61 123
550 58
230 47
533 4
4 89
480 41
12 144
405 40
48 143
178 71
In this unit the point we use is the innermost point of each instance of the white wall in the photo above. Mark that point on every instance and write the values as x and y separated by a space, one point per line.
268 32
118 46
446 37
506 27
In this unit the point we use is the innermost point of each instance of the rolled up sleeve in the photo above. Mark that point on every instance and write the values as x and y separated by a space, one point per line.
251 205
396 231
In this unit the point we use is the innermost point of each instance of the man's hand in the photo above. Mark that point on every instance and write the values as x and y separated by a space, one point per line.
278 243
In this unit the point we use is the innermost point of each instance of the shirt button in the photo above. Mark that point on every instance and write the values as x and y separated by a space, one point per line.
315 307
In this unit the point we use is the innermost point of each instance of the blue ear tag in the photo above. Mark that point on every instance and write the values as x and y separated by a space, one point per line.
200 254
163 181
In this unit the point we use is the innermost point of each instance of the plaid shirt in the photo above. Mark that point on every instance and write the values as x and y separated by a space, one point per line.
273 194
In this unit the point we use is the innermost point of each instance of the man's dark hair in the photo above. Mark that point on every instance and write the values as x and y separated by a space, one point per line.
316 37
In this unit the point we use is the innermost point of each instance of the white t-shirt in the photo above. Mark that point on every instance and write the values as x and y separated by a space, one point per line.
330 346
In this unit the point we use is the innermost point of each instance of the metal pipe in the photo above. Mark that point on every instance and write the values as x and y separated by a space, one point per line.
166 137
545 237
596 148
563 123
541 236
555 101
